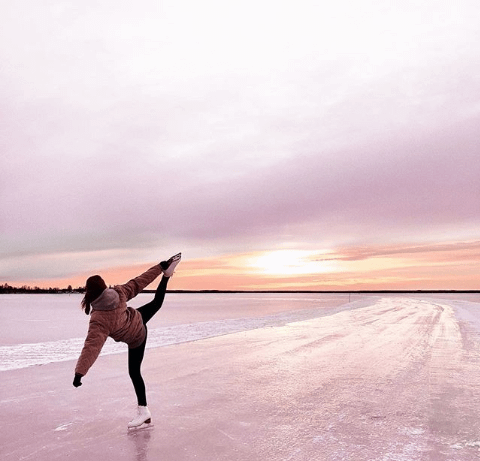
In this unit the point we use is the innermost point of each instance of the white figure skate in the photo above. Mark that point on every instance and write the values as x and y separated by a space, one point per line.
172 264
143 417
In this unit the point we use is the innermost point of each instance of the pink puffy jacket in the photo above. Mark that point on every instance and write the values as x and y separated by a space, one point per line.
112 317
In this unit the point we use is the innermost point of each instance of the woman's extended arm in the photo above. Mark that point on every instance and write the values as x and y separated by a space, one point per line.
96 337
136 285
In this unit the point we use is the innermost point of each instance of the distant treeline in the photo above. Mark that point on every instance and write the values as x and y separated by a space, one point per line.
6 288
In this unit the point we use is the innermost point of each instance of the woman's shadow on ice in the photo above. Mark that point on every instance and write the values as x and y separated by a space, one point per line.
140 439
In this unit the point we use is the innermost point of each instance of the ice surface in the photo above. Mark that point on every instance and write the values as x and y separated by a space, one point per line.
395 378
27 310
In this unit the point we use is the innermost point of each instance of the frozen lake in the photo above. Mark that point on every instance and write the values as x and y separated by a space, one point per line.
37 329
250 377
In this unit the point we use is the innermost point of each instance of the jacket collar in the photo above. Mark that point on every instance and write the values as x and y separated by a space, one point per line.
107 301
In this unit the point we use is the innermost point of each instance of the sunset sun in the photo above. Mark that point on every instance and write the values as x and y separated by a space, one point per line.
290 262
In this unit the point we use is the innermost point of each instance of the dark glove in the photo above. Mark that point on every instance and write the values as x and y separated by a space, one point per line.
77 381
164 265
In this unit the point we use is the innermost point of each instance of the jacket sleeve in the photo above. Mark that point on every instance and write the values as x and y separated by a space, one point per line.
136 285
96 337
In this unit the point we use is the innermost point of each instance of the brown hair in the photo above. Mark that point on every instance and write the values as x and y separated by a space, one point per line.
93 289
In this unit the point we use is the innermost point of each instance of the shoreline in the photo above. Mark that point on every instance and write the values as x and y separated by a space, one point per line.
446 291
321 291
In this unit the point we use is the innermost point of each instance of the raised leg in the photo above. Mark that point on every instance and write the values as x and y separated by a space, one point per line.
150 309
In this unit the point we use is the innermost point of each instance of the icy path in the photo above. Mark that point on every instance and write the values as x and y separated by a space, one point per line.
398 379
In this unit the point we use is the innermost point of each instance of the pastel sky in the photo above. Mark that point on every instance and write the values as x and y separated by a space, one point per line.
278 145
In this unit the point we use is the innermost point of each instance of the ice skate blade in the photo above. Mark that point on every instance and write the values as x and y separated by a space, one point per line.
144 425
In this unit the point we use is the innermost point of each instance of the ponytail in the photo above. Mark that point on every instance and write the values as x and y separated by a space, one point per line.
93 289
85 305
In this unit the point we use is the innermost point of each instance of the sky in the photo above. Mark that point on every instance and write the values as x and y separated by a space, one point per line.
279 145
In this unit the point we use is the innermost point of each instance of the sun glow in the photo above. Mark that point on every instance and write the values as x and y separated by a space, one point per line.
291 262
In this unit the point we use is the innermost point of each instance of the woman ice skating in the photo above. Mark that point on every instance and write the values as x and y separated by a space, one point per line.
112 317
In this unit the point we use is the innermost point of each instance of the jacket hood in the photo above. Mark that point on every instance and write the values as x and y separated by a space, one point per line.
107 301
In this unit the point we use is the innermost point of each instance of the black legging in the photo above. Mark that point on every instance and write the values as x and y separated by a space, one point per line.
135 356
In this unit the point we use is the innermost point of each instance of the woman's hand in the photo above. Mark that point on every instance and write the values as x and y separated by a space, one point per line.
77 380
